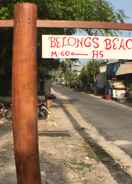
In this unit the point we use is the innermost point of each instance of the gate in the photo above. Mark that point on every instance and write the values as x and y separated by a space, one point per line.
24 83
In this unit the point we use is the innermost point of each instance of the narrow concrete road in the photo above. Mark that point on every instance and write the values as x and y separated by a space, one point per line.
114 121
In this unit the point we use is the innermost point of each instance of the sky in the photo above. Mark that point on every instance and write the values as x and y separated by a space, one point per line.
125 5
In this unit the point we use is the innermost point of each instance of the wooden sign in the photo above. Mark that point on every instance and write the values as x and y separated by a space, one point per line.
87 47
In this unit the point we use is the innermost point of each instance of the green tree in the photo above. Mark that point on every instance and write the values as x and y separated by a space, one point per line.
88 73
70 10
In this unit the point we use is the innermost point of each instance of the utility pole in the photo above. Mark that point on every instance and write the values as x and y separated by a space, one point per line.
24 94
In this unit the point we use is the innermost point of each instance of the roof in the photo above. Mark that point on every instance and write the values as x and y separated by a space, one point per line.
113 61
125 68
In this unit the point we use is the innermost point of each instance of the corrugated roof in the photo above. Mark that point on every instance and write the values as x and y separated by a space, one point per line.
125 68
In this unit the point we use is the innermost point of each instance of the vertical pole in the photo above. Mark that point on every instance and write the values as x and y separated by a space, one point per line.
24 95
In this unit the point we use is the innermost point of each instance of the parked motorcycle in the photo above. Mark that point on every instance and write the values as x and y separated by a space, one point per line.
42 110
5 110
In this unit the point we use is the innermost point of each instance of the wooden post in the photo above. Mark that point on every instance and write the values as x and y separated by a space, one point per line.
24 95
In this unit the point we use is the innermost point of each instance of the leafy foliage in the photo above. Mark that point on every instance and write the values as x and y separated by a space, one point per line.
70 10
89 72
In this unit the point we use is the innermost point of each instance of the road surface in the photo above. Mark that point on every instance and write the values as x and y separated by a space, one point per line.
114 121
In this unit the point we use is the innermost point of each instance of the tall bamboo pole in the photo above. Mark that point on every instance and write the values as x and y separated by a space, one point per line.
24 95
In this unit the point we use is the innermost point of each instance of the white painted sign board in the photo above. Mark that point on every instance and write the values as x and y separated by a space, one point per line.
87 47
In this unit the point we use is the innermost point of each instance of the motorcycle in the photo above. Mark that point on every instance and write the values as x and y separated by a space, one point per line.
5 111
42 110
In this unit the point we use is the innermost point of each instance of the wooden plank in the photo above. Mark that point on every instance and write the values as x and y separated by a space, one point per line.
83 24
73 24
7 23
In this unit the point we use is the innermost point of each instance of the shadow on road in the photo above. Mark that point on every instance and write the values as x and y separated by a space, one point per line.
114 168
7 165
51 169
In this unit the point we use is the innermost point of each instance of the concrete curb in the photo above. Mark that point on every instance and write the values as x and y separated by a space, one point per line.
122 158
110 101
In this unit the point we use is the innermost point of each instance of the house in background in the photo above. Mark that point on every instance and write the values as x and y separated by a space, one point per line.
117 77
117 69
